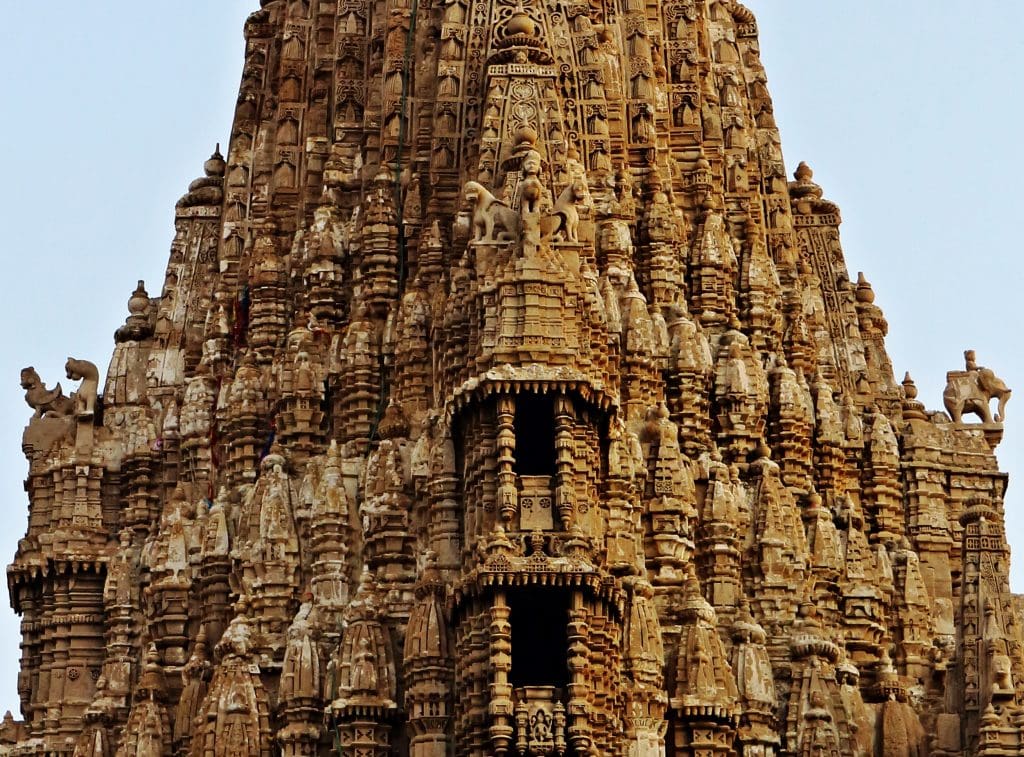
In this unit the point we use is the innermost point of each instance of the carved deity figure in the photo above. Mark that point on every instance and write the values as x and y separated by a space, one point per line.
364 669
531 188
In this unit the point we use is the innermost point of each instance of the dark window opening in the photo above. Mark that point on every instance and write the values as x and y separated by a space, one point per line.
535 434
540 637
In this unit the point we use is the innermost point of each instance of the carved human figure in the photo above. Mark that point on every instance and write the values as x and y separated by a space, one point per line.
608 54
736 380
643 124
541 726
122 574
531 189
364 669
711 115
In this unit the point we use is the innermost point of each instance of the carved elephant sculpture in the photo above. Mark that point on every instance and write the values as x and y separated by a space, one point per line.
971 392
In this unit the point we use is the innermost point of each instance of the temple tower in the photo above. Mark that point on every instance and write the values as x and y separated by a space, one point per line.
502 397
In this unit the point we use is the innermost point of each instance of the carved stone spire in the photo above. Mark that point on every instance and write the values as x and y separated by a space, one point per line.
428 665
502 397
705 697
364 683
302 687
234 717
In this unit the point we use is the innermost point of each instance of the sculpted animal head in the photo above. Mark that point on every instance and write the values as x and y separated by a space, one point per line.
574 192
474 193
990 384
29 378
79 369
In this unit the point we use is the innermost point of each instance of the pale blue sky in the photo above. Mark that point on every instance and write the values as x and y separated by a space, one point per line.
909 112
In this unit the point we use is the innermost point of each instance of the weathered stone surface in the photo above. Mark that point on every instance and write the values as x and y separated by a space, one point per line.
502 397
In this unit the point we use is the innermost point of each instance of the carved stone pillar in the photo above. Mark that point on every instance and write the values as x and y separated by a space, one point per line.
500 708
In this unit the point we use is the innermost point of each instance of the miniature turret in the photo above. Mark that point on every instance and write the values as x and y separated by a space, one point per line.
705 699
428 666
302 687
364 687
234 717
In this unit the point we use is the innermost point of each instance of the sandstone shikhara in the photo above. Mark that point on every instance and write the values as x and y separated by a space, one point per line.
504 397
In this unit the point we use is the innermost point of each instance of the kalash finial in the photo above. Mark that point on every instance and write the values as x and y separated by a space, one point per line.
137 326
526 136
520 24
909 387
215 166
864 291
913 409
804 191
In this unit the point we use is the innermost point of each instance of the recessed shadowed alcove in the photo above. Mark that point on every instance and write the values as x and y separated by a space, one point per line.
535 434
540 639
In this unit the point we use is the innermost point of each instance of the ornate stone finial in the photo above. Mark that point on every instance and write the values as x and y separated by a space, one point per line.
745 628
693 604
394 424
237 638
215 165
806 195
909 388
865 293
912 408
520 23
200 654
525 138
207 189
137 327
152 683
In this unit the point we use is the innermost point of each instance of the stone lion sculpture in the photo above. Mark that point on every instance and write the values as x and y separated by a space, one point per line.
971 391
565 216
48 402
489 215
89 375
1002 672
